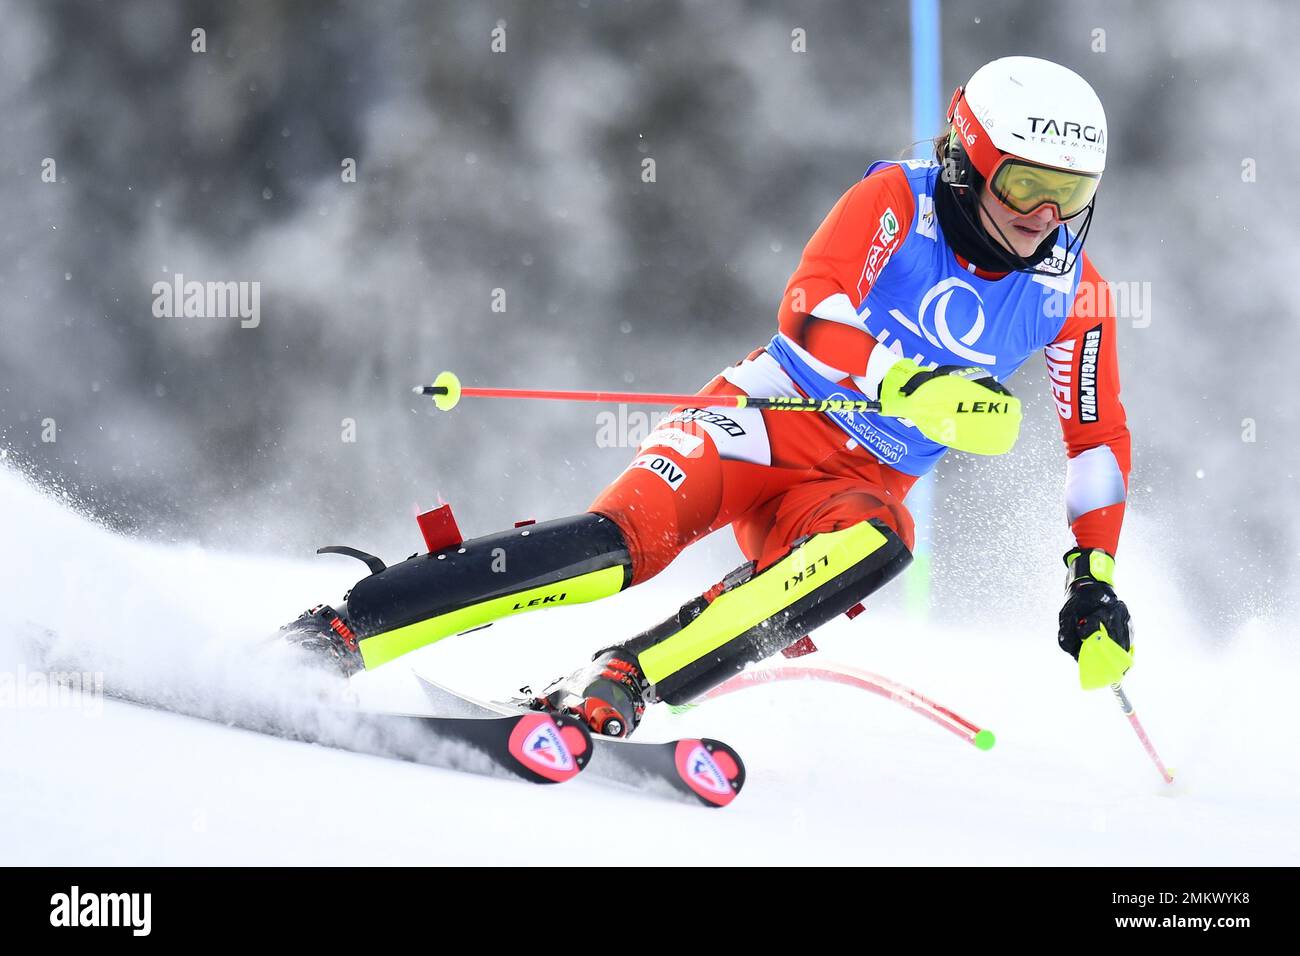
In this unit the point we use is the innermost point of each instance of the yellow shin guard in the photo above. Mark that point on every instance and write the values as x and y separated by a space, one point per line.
756 615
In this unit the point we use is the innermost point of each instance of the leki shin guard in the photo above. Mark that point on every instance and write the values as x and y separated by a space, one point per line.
461 585
749 616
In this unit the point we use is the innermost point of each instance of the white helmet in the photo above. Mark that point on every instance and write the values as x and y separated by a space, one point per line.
1035 131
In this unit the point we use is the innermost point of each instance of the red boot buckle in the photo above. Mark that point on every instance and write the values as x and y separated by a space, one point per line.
602 718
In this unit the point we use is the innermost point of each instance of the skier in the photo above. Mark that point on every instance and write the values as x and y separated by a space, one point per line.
925 288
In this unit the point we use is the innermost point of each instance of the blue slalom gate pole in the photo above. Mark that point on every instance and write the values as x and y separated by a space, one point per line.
927 106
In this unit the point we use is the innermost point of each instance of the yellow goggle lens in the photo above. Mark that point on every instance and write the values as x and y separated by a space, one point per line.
1024 188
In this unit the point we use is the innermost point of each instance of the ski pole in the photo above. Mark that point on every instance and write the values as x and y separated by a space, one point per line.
1131 714
447 391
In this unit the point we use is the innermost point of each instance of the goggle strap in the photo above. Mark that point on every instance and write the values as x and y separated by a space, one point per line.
952 104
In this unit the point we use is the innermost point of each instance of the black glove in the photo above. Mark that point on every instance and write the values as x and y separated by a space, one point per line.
1090 605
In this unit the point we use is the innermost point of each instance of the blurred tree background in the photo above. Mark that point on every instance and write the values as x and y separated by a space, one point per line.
522 170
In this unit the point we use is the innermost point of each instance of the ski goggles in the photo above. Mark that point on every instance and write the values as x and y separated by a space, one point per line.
1025 187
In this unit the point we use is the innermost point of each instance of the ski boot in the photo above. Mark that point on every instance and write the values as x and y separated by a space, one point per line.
326 639
609 695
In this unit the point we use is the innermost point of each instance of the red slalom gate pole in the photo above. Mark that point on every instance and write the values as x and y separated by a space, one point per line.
972 733
1127 706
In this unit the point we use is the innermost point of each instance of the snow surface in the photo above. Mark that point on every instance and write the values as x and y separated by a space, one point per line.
835 775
